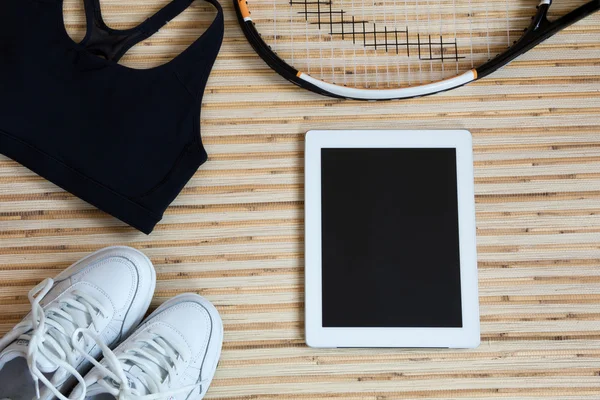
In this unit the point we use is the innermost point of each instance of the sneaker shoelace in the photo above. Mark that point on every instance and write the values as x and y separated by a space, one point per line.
153 354
50 331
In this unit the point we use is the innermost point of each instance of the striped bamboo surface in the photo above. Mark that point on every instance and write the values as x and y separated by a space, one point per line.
235 234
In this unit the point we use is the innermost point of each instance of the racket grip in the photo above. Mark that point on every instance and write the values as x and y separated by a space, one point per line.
539 30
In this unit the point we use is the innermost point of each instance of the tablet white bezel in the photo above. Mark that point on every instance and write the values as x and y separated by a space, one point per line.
316 335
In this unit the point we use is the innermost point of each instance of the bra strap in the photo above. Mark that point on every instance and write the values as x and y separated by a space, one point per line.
165 15
112 44
193 66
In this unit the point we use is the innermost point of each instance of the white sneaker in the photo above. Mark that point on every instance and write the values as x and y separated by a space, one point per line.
107 293
173 354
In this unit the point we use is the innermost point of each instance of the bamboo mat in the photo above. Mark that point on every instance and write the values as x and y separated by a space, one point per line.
235 234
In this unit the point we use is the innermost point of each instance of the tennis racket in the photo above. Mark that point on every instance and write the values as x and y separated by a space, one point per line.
393 49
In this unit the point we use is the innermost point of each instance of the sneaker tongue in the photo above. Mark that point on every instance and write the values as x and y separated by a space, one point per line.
135 380
18 348
80 318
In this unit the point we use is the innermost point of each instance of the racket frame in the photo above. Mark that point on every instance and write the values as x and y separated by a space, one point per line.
538 31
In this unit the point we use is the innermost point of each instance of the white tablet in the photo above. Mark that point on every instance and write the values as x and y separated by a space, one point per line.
390 239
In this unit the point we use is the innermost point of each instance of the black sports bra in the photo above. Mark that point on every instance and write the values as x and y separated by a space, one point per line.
122 139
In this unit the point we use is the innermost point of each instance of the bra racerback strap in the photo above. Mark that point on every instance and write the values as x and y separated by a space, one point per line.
112 44
193 66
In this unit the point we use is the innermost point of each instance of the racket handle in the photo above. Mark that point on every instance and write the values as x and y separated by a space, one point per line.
539 30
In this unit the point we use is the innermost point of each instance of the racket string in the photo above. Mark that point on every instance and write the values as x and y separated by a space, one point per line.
360 43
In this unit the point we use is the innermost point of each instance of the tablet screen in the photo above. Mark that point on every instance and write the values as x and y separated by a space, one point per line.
390 247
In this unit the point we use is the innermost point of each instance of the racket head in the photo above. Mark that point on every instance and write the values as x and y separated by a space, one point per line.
392 49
